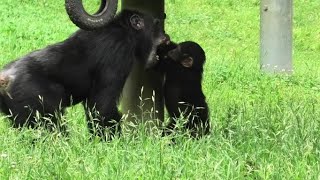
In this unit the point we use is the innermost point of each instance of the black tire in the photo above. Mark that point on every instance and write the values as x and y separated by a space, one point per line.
84 20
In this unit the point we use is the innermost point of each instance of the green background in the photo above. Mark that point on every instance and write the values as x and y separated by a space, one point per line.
263 127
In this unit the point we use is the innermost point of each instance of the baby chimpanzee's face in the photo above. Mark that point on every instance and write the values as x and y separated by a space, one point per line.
189 54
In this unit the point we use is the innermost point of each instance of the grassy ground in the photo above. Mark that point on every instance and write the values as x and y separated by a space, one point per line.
263 127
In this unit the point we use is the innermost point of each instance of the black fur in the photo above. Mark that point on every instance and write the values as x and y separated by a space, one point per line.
182 88
89 67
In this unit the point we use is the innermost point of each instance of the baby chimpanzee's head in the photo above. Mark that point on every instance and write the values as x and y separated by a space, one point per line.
189 54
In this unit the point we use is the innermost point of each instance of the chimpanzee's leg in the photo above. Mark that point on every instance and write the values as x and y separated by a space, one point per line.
198 123
39 101
102 113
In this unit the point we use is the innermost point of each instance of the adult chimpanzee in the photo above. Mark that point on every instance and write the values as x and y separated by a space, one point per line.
89 67
183 66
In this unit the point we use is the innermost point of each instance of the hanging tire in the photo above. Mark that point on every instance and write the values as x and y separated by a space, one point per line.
81 18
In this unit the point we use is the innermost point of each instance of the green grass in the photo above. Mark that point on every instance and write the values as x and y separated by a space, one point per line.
263 127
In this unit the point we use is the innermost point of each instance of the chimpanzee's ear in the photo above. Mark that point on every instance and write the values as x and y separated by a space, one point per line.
187 62
137 22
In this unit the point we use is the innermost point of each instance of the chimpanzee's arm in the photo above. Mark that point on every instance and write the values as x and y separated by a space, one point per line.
164 60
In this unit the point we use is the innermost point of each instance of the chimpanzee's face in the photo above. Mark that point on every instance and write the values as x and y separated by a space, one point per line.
159 36
188 54
155 30
150 35
151 28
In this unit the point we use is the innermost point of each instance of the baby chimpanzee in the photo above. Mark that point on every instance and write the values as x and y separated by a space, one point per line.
183 66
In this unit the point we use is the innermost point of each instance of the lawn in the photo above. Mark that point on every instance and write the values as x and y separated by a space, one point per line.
263 126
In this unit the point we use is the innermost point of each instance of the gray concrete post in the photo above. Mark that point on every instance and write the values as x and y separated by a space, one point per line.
276 36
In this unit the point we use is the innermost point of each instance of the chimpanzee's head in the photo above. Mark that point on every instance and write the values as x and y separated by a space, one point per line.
189 55
147 33
148 28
